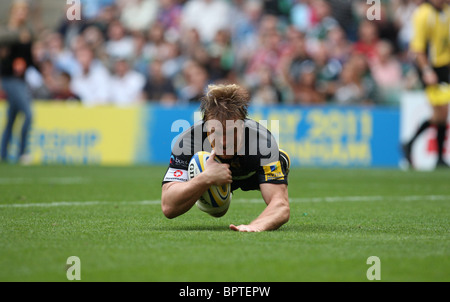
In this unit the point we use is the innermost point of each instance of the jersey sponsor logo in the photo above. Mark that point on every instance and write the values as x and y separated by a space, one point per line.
176 175
178 162
273 172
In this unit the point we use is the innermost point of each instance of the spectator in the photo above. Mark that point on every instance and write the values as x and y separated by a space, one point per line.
91 9
62 58
351 89
206 17
49 84
118 44
324 22
126 85
403 12
269 52
158 87
63 91
327 71
157 46
293 58
94 39
301 15
141 57
387 72
367 41
16 56
92 82
256 43
385 68
138 15
221 58
339 48
244 33
304 88
266 91
172 66
196 81
343 11
169 16
33 76
193 47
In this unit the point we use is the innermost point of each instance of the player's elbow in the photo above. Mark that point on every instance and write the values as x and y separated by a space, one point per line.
168 210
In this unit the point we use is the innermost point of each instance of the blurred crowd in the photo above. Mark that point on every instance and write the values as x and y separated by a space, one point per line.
168 51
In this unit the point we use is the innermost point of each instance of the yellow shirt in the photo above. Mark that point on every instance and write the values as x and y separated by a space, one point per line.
432 33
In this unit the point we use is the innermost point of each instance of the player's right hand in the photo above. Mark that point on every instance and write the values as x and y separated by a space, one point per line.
430 77
218 174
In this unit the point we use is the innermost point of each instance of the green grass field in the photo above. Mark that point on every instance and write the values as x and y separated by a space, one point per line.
110 218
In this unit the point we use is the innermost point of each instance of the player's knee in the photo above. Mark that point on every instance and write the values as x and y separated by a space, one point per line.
440 114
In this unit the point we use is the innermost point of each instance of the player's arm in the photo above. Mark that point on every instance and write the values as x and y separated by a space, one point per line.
178 197
275 214
428 74
418 47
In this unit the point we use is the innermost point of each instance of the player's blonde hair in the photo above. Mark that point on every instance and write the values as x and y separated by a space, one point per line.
225 102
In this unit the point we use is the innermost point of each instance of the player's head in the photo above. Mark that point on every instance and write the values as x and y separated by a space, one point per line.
224 109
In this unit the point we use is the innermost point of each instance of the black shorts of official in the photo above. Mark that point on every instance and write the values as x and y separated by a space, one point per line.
443 74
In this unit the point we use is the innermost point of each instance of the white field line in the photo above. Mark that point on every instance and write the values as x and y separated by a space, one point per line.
239 200
44 180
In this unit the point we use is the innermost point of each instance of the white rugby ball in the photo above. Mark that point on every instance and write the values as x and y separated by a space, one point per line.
216 200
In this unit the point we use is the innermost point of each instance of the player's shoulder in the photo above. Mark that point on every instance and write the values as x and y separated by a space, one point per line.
254 125
190 141
188 133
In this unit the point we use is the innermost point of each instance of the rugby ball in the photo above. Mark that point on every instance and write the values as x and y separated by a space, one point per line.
216 200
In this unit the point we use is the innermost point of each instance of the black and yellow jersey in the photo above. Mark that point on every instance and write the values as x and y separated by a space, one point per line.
432 33
255 162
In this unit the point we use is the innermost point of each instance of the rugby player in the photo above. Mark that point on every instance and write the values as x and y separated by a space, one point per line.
249 154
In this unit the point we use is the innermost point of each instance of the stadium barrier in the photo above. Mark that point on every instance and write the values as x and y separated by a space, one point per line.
326 136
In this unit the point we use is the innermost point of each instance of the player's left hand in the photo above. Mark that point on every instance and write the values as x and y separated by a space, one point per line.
245 228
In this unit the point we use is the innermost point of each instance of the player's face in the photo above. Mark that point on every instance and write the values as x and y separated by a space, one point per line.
226 140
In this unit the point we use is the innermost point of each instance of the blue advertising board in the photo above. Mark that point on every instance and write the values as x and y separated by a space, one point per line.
313 136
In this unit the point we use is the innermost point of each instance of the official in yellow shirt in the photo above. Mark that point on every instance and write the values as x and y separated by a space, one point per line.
431 48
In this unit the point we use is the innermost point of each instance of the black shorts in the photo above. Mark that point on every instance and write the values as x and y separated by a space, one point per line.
443 74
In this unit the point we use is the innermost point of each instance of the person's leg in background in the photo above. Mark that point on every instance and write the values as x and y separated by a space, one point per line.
19 100
24 104
440 114
11 114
